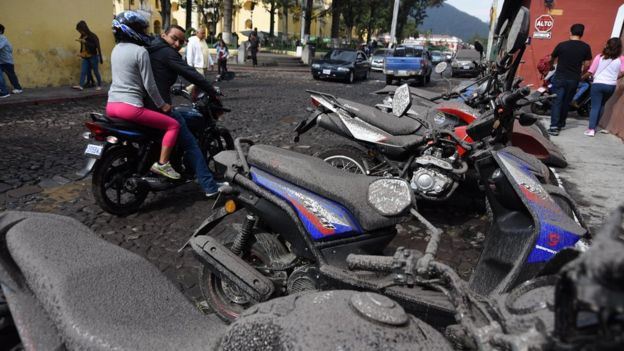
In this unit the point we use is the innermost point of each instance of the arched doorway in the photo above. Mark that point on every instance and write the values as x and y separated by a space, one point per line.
157 27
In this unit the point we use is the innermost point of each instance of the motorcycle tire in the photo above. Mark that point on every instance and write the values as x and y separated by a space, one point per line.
225 300
109 182
347 158
540 110
221 140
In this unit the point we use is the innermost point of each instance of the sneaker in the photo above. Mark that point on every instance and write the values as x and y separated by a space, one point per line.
165 170
4 96
215 193
553 131
77 87
17 91
590 133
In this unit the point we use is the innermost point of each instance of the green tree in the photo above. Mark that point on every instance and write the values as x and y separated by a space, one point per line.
416 9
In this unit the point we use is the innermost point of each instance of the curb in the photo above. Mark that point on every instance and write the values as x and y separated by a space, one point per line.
52 99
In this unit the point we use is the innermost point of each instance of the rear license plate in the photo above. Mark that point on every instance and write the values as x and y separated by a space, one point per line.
466 67
327 71
94 150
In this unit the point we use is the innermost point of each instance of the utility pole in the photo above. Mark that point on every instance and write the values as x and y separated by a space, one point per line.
395 14
303 20
493 16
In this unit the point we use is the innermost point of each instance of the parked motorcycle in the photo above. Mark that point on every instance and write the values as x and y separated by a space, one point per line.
582 106
120 153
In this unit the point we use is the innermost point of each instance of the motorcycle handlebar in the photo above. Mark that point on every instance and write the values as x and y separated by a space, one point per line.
370 263
511 99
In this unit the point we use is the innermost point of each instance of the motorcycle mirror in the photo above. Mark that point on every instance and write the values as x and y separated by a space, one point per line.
519 32
527 119
441 67
479 47
401 101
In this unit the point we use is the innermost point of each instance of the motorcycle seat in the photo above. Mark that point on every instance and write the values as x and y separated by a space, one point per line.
99 295
311 173
134 129
383 120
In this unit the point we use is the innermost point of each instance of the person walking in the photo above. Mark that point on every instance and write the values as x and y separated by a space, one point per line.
7 67
605 70
222 56
253 47
571 57
90 54
133 80
198 54
167 64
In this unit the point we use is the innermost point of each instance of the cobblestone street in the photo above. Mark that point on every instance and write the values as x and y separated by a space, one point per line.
43 149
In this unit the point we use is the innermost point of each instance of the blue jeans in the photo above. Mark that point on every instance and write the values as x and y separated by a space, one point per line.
9 70
565 92
582 88
600 93
193 154
90 64
3 88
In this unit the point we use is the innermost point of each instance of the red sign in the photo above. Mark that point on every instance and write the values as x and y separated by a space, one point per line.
544 23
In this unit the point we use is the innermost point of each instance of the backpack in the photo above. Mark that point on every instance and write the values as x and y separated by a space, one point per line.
544 65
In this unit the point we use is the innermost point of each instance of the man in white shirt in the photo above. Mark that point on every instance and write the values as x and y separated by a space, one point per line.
197 54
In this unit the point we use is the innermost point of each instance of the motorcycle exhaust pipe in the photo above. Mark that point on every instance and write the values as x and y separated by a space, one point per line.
231 268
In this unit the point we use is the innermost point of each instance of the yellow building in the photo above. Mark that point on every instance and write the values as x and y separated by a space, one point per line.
43 34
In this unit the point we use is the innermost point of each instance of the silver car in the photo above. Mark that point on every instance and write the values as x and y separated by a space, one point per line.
377 59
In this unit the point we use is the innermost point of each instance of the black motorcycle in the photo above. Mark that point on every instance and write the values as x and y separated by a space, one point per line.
120 153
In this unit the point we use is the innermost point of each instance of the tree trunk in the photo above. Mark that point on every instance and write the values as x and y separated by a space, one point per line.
369 25
272 10
335 26
227 21
165 13
189 13
308 17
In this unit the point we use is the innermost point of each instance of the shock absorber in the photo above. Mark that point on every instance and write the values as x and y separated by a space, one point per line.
243 238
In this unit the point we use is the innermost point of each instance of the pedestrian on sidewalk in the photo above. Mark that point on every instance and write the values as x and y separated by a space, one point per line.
254 45
572 57
90 54
198 53
7 67
605 71
133 80
222 56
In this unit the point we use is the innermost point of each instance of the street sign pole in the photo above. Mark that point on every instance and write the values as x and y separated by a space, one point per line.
395 14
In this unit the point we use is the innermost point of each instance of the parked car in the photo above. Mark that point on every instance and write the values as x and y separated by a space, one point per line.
437 57
343 64
377 59
408 62
465 63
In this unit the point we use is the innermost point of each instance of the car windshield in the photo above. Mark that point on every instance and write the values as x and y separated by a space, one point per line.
341 55
380 52
403 51
467 55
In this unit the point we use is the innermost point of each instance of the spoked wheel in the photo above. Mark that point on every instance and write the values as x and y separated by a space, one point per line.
114 187
220 140
226 299
346 158
351 77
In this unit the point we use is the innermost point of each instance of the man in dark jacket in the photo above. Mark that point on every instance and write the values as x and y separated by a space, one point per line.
167 64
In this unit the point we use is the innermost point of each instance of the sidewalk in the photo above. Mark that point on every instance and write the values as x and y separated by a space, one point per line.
36 96
595 173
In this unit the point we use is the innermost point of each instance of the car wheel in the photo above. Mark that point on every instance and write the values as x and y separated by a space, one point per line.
388 80
365 75
315 77
351 77
428 79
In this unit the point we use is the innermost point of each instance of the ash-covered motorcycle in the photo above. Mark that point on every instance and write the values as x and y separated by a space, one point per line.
120 153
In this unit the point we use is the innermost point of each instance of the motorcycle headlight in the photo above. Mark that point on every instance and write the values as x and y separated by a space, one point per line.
343 69
390 196
316 65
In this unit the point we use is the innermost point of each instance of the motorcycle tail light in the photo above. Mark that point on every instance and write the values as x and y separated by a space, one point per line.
315 102
96 129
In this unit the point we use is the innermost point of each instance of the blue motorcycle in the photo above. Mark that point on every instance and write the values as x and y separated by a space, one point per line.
120 153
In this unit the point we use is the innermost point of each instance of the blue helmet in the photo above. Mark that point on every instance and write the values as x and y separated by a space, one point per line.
130 26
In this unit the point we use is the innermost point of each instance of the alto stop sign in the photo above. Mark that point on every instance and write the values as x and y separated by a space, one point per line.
544 23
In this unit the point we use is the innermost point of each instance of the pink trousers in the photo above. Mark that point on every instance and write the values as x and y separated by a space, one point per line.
148 118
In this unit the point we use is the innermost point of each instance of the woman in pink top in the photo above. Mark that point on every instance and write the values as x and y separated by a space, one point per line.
606 69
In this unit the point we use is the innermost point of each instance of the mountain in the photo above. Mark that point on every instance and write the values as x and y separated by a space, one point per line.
446 19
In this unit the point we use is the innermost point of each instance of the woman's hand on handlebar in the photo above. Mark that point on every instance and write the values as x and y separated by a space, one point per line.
166 108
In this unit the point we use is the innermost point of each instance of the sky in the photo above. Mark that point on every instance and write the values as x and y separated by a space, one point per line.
477 8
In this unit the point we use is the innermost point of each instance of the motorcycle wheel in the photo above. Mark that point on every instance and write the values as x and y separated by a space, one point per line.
539 110
220 140
225 299
346 158
110 186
